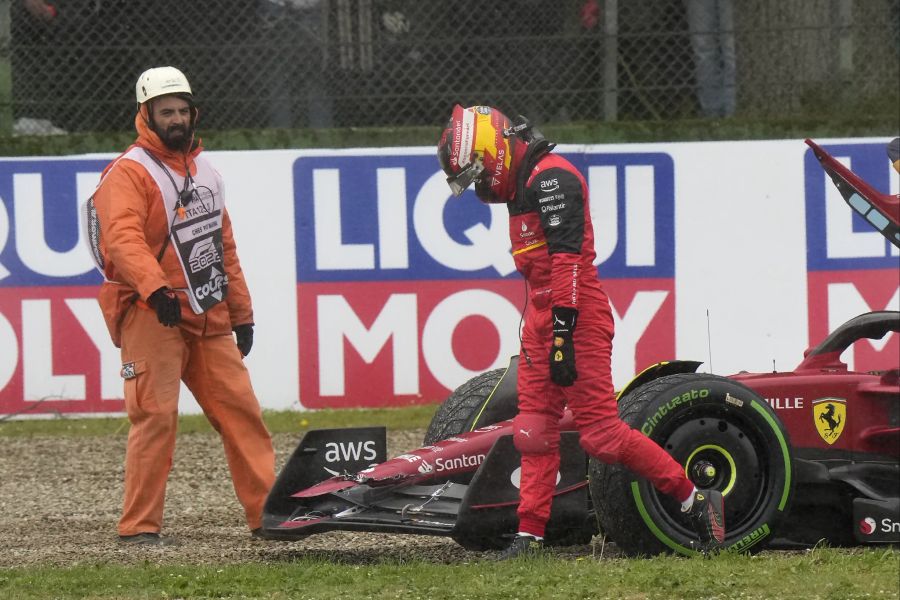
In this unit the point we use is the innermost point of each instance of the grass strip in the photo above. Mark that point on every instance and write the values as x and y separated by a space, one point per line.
287 421
684 130
819 573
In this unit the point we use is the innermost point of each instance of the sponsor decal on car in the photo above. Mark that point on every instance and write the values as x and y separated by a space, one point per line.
867 526
345 451
411 458
515 478
829 417
460 462
650 424
729 399
492 427
785 403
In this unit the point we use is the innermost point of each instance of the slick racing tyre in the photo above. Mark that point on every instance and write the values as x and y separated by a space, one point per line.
459 412
726 437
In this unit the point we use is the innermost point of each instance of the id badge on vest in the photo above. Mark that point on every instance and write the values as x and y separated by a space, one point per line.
198 241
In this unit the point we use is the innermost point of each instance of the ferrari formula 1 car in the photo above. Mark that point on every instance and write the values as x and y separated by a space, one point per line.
801 456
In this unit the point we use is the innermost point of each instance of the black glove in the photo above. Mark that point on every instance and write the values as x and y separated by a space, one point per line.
168 309
562 352
244 335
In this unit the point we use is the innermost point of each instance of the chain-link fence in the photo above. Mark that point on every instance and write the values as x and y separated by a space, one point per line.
357 63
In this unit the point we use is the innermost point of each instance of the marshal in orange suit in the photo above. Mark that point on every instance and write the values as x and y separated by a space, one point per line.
176 303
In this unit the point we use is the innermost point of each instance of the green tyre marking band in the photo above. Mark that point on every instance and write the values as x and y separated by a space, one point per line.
727 456
635 491
784 451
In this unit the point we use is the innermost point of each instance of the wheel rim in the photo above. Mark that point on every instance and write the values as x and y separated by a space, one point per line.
718 449
711 465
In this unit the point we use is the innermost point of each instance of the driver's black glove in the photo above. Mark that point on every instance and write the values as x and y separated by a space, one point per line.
562 352
168 309
244 335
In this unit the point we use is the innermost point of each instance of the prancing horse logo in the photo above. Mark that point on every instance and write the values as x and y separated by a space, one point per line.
830 414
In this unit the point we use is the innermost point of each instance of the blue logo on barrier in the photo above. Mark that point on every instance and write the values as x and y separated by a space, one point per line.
836 237
40 233
368 218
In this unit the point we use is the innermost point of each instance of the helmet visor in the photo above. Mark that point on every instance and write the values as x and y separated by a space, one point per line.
462 180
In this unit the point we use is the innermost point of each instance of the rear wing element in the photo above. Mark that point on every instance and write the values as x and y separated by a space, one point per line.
881 211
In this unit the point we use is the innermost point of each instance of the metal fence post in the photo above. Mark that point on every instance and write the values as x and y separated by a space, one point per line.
5 70
611 60
845 40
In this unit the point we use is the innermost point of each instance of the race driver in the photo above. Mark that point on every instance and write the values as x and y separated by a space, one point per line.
553 248
173 294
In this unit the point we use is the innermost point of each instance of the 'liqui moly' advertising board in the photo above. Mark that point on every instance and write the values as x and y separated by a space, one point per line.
373 286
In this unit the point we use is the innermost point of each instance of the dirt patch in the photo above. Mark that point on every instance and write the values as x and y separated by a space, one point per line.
60 499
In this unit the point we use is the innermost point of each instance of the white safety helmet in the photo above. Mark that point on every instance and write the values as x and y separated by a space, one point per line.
160 81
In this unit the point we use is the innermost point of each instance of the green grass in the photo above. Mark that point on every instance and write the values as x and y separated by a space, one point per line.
817 127
412 417
5 96
821 573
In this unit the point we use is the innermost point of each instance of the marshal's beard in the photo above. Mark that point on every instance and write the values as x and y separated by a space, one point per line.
176 137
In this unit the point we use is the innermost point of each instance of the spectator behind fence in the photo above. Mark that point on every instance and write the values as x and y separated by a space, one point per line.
32 29
69 59
711 25
293 34
173 293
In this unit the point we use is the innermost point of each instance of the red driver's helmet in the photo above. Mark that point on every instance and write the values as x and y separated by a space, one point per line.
474 148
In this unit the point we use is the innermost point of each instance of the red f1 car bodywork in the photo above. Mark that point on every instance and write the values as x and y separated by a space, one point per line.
801 456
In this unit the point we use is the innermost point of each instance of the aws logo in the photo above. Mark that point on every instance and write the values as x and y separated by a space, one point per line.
550 185
340 453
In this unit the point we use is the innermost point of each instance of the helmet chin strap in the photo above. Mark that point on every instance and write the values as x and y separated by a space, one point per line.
537 146
524 130
517 129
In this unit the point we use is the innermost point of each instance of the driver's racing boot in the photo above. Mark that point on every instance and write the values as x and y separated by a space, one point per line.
707 513
522 545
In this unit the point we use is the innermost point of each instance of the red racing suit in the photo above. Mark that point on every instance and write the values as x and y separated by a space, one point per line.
553 247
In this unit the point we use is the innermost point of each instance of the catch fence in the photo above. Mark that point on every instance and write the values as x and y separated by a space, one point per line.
387 63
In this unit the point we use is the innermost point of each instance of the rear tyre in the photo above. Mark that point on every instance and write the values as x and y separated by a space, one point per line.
726 437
